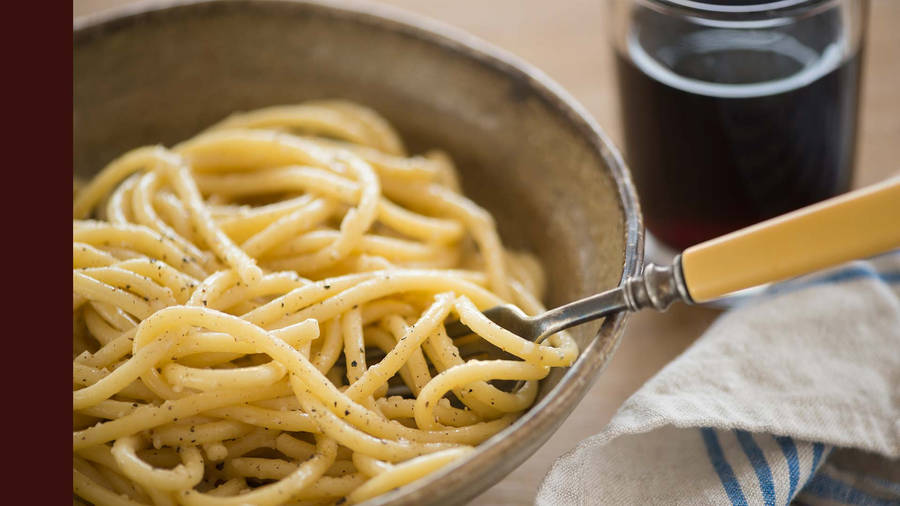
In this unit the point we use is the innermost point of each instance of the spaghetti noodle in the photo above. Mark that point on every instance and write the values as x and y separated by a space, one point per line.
258 316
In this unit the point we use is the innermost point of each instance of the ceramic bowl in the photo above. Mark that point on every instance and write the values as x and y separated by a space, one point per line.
159 73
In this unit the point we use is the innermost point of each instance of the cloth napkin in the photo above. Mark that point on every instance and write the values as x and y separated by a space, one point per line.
791 397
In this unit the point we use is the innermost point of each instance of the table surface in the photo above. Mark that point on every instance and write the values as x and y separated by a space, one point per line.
570 44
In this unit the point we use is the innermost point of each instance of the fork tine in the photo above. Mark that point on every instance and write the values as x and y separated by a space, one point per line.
506 315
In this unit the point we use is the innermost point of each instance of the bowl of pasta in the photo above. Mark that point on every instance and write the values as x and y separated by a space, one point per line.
277 206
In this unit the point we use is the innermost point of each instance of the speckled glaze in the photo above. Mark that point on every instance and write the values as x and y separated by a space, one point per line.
160 72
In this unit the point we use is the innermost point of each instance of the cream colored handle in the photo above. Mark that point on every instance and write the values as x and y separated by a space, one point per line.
854 225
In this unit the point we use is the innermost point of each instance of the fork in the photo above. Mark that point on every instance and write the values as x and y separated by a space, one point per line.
854 225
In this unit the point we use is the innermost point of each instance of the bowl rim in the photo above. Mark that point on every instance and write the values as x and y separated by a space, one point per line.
544 417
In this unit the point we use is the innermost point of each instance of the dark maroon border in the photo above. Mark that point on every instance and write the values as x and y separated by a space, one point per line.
37 67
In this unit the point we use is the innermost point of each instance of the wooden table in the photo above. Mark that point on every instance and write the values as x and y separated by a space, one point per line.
569 43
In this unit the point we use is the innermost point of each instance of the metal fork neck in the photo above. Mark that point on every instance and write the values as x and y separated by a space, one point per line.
657 287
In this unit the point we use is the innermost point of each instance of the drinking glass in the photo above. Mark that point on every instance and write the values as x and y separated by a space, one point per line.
735 111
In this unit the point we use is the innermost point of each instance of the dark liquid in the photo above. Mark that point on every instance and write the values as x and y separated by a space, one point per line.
707 165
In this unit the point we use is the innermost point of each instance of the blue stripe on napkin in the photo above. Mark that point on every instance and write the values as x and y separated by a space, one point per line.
723 469
827 487
818 448
760 466
789 449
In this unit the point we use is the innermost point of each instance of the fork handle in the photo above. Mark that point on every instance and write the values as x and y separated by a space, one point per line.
854 225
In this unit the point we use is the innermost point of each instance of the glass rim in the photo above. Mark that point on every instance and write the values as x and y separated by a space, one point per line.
739 11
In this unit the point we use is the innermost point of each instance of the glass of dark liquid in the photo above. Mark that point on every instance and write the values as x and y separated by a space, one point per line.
735 111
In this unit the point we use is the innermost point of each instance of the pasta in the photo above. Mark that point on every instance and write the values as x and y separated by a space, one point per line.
258 316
